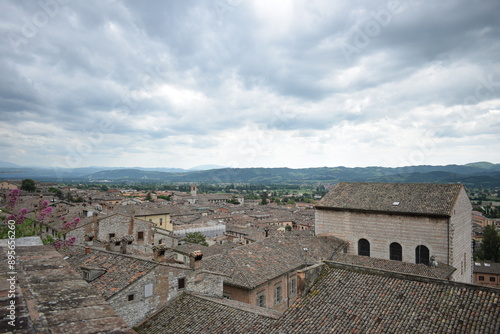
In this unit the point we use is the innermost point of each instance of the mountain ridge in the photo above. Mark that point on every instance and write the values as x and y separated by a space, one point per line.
483 174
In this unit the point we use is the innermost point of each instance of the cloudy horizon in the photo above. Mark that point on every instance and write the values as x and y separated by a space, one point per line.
242 83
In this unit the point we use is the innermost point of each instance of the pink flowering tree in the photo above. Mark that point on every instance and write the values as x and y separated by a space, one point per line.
23 226
71 224
60 244
12 198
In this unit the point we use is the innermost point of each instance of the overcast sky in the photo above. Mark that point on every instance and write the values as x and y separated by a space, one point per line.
249 83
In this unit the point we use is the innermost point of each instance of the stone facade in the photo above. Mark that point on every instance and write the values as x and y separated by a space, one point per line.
119 226
448 237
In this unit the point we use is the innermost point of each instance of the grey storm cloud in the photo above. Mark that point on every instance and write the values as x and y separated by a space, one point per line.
215 80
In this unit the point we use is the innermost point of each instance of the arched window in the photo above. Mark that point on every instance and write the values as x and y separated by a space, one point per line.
422 255
396 252
363 247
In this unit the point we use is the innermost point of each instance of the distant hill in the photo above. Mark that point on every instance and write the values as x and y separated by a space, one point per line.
206 167
472 175
480 174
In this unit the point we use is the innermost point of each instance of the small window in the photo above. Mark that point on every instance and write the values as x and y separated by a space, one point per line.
278 294
481 278
161 221
117 243
181 283
130 297
86 275
111 235
363 247
148 290
492 279
140 235
396 252
293 286
422 255
261 299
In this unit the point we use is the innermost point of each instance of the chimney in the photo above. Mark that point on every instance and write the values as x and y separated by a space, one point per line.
131 224
195 260
159 252
87 250
266 230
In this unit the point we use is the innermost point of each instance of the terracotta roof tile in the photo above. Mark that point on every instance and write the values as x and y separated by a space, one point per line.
412 198
121 270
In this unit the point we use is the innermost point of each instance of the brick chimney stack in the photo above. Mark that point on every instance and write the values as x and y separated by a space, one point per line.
132 223
195 260
87 250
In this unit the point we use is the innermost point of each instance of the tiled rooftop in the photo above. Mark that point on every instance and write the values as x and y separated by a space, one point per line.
52 298
348 300
254 264
121 270
487 268
194 314
412 198
441 271
358 301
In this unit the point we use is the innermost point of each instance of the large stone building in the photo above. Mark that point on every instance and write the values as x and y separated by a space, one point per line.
418 223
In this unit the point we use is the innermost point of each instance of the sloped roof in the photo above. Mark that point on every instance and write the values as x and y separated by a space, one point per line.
250 265
52 298
442 271
121 270
346 300
195 314
409 198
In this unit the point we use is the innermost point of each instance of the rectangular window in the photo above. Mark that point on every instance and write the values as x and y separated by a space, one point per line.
161 221
140 235
181 283
86 275
492 279
130 297
148 290
278 294
111 235
481 278
261 299
293 286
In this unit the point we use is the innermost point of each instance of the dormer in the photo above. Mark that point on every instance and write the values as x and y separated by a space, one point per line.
91 273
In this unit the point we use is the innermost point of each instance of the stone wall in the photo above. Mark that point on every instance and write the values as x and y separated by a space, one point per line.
383 229
461 239
141 307
120 226
163 281
308 276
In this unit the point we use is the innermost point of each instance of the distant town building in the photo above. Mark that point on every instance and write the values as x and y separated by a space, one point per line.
487 274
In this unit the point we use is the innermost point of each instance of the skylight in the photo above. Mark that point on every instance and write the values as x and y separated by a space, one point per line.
395 203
